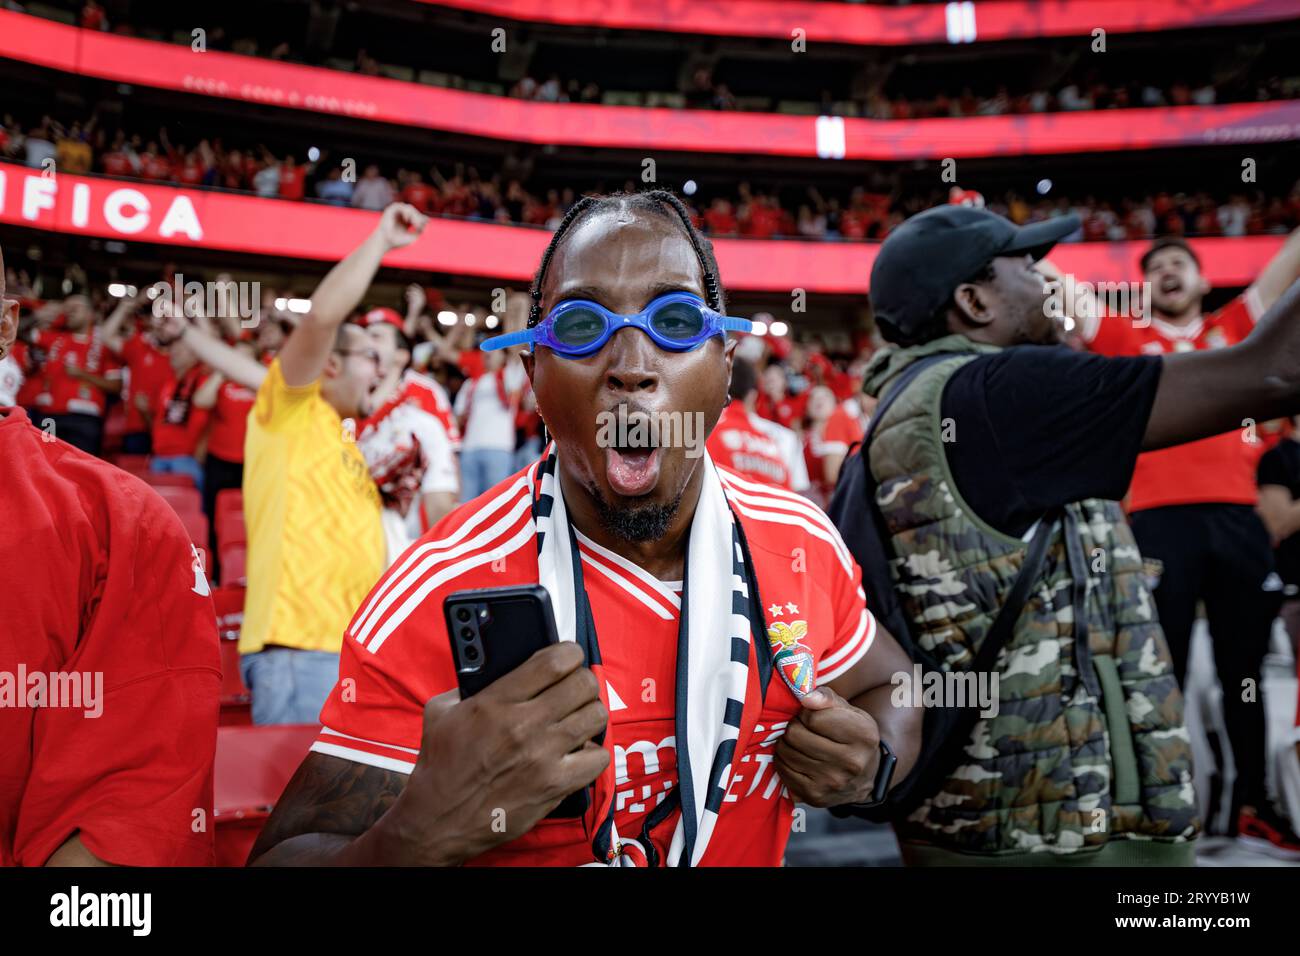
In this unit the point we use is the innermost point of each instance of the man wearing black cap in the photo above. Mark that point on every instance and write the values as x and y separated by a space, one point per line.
987 450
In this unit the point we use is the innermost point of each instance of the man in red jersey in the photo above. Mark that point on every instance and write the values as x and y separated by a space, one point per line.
761 638
76 372
147 371
754 447
181 418
109 667
1193 512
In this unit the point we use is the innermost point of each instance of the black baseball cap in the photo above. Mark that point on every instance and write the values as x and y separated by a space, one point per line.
922 261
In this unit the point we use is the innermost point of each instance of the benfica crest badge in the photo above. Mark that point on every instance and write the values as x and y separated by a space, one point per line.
792 660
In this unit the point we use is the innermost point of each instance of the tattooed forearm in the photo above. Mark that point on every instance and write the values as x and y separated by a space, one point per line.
326 806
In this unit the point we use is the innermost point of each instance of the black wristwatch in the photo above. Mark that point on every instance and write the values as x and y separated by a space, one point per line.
884 776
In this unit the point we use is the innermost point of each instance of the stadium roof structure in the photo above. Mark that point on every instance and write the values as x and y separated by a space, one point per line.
872 25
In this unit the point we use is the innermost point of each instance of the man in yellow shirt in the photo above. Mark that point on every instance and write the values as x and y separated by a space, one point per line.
315 541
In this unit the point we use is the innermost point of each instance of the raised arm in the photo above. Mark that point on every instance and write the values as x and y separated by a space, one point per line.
303 357
213 352
112 331
416 300
1208 392
205 396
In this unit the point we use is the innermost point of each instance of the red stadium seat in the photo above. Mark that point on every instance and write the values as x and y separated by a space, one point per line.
235 698
233 560
168 479
230 529
136 464
252 768
114 427
229 605
183 498
229 500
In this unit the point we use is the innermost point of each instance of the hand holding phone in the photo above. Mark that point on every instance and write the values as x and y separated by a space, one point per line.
494 631
494 764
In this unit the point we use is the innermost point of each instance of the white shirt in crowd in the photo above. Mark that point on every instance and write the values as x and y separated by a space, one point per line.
372 192
787 440
488 423
11 380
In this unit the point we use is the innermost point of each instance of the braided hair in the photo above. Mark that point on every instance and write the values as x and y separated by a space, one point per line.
659 201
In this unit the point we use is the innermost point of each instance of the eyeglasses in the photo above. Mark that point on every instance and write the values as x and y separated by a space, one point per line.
369 354
676 321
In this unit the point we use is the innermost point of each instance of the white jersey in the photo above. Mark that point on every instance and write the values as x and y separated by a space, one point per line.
787 441
11 380
410 453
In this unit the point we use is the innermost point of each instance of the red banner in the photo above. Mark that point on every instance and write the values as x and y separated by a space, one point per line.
249 79
871 25
114 209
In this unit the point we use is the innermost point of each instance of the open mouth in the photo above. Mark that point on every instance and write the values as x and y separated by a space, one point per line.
632 471
1171 284
632 460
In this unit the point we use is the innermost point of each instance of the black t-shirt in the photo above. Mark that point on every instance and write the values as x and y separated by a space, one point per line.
1031 428
1281 466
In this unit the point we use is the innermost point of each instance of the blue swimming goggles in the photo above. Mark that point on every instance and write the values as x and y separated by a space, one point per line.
677 322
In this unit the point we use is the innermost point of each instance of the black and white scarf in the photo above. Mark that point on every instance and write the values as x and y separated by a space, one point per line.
720 628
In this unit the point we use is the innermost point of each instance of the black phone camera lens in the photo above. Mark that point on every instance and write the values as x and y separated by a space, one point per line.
462 614
471 654
467 633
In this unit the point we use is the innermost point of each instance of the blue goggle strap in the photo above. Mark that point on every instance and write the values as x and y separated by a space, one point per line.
522 337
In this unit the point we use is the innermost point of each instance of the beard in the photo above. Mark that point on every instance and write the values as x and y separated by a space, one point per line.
639 523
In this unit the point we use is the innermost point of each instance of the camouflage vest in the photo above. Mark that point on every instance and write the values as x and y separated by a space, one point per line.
1087 750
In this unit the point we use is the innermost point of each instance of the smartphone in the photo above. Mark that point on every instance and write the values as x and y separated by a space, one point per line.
494 630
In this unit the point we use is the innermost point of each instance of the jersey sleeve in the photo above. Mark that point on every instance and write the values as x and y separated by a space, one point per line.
855 626
375 714
281 406
132 771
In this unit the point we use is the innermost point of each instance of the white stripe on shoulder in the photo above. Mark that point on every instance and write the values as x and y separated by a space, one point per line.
421 559
469 525
734 484
641 574
749 506
523 536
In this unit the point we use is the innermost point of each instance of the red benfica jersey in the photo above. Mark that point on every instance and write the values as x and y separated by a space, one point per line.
740 445
1219 469
110 672
835 437
230 421
30 386
59 392
177 424
147 373
396 656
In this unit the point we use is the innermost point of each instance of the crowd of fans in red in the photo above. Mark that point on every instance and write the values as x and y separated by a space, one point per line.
501 195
